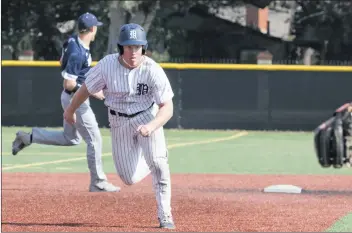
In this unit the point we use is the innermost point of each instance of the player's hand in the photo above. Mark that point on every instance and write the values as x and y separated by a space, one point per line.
145 130
99 95
70 117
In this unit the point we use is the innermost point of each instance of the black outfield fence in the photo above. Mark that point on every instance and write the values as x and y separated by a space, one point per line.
207 96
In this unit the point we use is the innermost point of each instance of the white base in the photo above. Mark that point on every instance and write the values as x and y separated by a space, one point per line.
283 188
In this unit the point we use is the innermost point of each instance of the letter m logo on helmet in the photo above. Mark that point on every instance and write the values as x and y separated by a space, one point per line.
132 34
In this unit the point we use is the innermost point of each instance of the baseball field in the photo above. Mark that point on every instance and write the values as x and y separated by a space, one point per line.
218 179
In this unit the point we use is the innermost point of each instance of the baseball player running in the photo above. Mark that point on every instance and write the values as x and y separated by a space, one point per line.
75 62
132 84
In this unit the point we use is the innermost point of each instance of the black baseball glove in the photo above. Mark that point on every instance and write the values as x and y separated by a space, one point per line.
333 139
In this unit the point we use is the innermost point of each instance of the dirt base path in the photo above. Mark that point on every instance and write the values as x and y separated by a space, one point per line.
61 202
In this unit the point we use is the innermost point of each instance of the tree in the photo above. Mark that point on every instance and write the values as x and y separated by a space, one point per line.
122 12
14 24
326 26
35 22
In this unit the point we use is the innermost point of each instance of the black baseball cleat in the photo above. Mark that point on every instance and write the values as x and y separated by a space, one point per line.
21 141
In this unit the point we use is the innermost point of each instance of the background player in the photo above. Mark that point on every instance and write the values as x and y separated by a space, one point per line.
75 63
132 83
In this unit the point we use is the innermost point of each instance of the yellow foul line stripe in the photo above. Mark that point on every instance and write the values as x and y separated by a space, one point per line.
105 154
207 141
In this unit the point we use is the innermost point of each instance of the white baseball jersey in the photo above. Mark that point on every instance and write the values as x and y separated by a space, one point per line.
131 91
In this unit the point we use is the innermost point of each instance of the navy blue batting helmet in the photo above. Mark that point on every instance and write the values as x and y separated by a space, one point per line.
132 34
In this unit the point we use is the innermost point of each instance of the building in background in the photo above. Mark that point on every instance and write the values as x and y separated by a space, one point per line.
231 35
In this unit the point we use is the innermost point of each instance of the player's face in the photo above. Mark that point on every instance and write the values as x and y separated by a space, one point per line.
132 54
94 32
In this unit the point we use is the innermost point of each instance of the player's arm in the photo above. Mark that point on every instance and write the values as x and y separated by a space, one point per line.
164 114
94 83
71 72
99 95
163 95
79 97
70 84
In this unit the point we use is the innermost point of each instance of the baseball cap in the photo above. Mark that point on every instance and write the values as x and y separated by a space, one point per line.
87 20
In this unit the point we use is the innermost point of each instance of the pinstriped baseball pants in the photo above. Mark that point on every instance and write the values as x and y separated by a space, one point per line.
136 156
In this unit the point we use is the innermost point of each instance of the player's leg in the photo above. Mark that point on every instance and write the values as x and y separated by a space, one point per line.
156 155
129 163
155 151
136 156
69 136
88 127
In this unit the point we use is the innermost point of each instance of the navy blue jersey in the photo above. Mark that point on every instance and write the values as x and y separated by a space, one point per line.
75 60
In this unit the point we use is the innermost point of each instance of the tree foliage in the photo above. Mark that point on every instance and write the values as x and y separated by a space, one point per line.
32 25
325 23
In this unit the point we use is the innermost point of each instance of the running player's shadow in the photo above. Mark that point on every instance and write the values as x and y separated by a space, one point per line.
48 224
73 225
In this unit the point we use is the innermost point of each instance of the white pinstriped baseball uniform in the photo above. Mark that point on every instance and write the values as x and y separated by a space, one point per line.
131 91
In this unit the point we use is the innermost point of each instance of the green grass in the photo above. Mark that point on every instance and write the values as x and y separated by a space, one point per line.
342 225
257 152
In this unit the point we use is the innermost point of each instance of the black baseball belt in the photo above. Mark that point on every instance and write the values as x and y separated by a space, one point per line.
113 112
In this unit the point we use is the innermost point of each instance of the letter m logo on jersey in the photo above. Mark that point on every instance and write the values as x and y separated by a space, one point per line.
142 89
